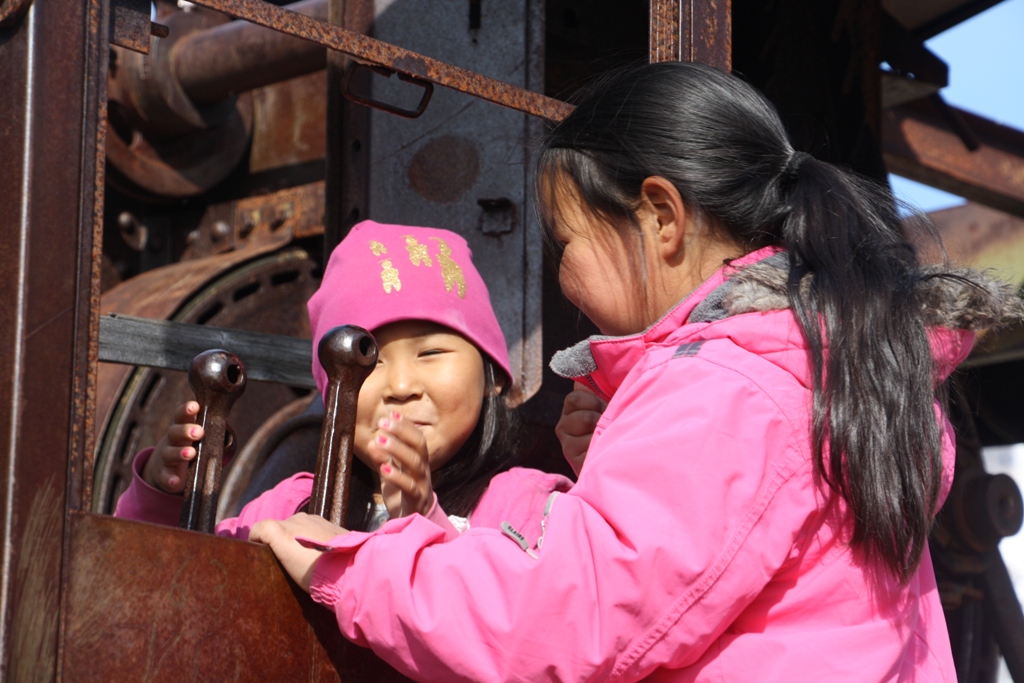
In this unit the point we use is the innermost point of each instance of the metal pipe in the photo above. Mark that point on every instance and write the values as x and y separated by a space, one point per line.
238 56
398 59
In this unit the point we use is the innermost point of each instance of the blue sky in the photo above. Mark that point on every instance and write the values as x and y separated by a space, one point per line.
985 55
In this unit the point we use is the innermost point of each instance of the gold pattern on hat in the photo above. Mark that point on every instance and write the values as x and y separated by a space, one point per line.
417 252
389 276
377 248
450 270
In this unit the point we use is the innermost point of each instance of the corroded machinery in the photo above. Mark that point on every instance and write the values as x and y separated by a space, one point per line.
191 164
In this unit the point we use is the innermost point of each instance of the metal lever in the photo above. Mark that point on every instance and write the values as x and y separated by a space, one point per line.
348 355
218 378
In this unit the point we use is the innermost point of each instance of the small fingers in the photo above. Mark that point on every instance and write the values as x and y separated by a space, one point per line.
186 413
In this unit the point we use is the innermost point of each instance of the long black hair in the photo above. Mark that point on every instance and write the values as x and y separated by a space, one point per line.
853 278
492 447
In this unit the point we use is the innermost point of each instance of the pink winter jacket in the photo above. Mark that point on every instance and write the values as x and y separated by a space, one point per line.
516 496
696 546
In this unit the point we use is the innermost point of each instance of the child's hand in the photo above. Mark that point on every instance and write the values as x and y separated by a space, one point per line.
168 466
399 450
297 559
580 413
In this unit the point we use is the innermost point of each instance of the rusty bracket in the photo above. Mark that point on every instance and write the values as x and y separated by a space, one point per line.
130 26
379 53
347 91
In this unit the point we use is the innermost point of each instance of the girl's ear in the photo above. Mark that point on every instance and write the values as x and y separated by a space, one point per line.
666 215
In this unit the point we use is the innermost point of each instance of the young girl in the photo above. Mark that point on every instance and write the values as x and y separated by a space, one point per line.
757 494
431 417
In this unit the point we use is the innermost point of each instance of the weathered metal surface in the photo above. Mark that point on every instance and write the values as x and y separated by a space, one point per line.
213 64
135 612
691 31
13 10
259 223
135 405
173 346
217 378
922 144
149 603
163 144
290 129
50 186
349 139
348 355
130 26
436 169
393 57
352 72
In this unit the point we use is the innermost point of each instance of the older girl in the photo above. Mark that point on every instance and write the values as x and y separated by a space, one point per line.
757 494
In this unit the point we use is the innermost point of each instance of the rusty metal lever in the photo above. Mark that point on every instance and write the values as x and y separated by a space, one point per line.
348 355
218 378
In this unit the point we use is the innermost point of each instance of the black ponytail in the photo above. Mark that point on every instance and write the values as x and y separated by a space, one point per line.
853 279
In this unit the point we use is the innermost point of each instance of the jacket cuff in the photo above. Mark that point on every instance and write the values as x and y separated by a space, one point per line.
438 517
341 552
145 503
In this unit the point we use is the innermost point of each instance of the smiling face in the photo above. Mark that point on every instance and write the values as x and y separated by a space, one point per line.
596 272
431 376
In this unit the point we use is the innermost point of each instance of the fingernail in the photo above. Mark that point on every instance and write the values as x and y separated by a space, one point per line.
382 440
384 423
386 469
186 453
172 481
396 416
194 432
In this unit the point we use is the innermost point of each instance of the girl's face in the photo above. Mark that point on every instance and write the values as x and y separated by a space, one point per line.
432 376
595 271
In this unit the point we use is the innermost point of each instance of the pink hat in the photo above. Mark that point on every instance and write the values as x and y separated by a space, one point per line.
381 274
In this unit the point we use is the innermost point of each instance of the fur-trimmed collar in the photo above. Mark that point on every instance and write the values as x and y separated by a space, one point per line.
955 298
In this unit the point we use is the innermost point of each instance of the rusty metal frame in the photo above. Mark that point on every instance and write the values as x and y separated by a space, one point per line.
923 142
691 31
398 59
51 197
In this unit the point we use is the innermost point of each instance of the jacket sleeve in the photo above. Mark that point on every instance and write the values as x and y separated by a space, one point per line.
691 499
438 517
144 503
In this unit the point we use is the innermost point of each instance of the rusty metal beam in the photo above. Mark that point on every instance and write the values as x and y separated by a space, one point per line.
692 31
53 70
922 142
399 59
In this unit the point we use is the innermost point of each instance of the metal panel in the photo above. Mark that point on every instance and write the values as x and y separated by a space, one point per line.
463 165
53 69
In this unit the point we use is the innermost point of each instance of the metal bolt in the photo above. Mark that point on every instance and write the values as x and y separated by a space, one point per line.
220 230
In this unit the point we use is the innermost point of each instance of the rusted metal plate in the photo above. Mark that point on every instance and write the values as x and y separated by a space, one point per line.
289 124
396 58
149 603
691 31
52 65
921 143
